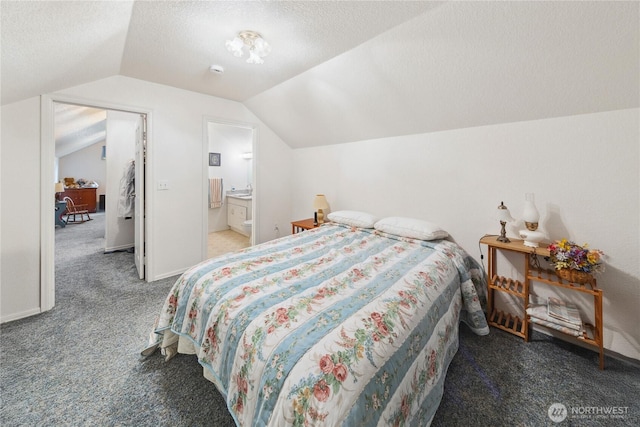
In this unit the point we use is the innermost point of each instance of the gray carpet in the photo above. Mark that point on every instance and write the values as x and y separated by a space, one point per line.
79 364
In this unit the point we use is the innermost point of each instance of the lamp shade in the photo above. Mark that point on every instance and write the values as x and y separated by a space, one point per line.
530 213
503 214
235 46
59 187
320 202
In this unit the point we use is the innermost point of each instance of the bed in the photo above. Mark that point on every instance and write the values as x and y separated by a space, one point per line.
338 325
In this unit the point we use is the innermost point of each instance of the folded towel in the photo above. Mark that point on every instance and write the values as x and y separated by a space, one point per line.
215 193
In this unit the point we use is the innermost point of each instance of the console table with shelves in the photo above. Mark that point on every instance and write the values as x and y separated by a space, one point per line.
518 323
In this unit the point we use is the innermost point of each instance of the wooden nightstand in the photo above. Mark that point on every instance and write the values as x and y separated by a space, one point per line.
301 225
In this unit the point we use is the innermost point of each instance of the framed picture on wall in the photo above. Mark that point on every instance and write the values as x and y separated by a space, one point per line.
214 159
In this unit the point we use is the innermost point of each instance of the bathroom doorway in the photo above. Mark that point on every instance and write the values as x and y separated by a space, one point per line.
230 182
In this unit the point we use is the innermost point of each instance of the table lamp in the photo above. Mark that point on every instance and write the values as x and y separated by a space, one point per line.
59 188
320 203
531 216
503 216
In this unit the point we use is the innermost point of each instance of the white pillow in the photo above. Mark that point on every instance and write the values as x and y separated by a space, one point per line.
412 228
353 218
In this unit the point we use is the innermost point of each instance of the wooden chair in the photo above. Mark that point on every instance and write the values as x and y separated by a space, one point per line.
74 210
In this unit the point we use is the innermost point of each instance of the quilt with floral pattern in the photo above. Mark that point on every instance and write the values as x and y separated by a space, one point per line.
335 326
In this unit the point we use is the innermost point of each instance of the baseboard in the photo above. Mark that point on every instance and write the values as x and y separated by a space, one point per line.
239 231
118 248
169 274
21 315
578 342
622 357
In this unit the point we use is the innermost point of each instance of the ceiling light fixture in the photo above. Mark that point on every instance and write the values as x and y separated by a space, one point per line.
258 47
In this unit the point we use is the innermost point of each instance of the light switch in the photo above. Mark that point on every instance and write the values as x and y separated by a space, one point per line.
163 184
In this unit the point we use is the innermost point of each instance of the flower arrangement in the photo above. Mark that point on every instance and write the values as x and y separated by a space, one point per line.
566 254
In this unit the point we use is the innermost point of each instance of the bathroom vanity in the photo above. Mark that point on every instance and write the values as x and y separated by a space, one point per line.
239 212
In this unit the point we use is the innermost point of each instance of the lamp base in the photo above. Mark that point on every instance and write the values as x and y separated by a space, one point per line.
531 238
503 234
320 216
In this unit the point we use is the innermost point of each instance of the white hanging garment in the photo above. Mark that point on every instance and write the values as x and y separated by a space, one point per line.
127 194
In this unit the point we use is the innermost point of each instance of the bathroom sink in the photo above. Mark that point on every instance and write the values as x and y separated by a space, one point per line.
241 196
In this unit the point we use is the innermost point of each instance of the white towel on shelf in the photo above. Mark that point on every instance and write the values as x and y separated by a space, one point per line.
215 193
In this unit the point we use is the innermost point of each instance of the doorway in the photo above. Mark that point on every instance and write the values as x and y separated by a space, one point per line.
230 196
50 174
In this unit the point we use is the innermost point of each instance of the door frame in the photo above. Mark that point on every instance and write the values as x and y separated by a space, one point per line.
47 156
205 176
140 194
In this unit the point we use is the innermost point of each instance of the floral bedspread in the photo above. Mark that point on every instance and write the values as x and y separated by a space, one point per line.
332 326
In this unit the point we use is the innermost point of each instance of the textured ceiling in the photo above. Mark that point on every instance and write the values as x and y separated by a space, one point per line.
50 45
174 43
342 71
462 65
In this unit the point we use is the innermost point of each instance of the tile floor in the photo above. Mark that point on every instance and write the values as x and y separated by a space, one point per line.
222 242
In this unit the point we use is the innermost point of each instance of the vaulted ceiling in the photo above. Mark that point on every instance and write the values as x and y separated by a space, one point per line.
341 71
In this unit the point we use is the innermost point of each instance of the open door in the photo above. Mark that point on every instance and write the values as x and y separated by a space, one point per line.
139 205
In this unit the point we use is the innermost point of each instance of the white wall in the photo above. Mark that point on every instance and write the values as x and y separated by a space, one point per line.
176 236
20 244
584 171
86 163
121 150
177 152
